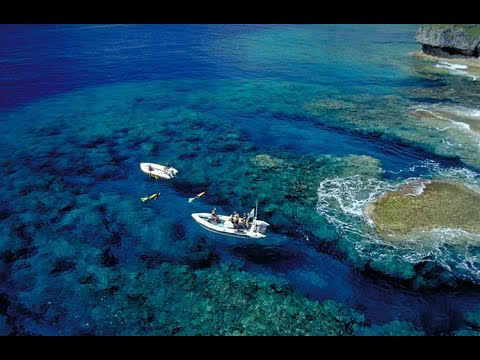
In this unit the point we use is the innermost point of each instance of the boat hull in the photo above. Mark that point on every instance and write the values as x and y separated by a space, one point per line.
205 221
158 171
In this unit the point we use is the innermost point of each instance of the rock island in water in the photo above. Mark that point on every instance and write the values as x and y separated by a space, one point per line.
423 206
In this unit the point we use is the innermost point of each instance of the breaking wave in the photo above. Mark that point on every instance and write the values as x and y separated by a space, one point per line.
457 111
456 69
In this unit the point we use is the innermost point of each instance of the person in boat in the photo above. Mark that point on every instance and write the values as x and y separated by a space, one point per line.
244 219
150 169
236 220
214 215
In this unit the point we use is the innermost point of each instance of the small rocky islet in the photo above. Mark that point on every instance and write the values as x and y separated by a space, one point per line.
425 205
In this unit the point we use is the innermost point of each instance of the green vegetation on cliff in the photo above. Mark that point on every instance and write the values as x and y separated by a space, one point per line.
472 30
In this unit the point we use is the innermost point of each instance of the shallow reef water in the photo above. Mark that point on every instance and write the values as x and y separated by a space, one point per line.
311 134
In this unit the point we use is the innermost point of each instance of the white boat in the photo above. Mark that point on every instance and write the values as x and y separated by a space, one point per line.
252 229
158 171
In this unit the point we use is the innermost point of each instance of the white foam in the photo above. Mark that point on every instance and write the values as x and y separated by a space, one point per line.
471 265
442 129
350 193
470 113
431 112
460 72
456 69
449 144
467 112
452 234
444 64
461 125
455 124
341 201
468 177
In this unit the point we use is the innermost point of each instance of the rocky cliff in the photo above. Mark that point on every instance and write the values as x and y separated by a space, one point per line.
450 40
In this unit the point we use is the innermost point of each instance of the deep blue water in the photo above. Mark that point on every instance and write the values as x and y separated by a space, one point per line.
74 84
40 60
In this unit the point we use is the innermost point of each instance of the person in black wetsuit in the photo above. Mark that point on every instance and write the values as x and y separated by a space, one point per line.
214 215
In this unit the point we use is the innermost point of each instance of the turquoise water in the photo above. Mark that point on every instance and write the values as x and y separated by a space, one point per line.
83 105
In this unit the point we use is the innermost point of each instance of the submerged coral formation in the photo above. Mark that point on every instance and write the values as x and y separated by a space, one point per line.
267 161
177 300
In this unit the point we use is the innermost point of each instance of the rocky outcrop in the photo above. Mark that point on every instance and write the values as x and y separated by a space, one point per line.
424 206
450 40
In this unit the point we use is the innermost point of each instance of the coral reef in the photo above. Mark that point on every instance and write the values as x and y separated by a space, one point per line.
177 300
